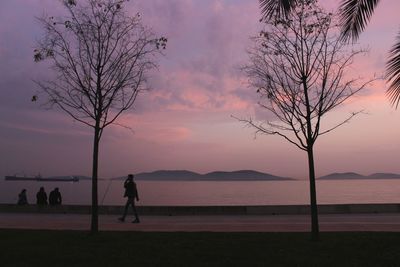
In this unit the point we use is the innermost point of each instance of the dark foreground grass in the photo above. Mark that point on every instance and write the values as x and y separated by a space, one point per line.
75 248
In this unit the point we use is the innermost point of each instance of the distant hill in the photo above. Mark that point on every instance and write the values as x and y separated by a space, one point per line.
168 175
384 176
242 175
344 175
354 176
184 175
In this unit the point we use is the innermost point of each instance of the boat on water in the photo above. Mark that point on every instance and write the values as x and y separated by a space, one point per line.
39 178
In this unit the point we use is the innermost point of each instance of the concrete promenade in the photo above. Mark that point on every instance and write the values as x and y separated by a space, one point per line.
212 223
279 218
210 210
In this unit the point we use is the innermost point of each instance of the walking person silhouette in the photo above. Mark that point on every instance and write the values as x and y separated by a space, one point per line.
131 193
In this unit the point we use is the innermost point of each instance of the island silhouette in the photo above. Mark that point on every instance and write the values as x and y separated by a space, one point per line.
184 175
355 176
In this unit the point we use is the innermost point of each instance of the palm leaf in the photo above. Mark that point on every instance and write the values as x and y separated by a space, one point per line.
354 16
279 8
393 73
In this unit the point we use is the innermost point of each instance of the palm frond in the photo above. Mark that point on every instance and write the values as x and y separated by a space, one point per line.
393 73
354 16
279 8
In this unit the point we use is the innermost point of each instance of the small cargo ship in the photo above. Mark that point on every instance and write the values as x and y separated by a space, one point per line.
39 178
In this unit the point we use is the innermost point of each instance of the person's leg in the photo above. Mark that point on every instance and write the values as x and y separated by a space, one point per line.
125 211
135 212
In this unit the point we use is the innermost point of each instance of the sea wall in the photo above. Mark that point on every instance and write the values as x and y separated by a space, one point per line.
209 210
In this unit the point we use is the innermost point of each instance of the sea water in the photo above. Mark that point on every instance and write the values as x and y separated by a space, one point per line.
182 193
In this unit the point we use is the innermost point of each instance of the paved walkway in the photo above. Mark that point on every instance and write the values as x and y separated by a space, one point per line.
223 223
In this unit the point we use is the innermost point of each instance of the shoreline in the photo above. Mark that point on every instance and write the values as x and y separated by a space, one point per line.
211 210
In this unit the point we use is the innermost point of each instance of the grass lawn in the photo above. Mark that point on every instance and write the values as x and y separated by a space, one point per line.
75 248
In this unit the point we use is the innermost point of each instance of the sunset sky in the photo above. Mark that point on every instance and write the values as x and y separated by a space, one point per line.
185 121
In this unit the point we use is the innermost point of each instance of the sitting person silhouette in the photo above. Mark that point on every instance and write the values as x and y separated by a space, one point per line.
22 198
41 197
132 194
55 197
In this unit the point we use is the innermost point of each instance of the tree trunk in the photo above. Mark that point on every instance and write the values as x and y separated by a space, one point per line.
94 228
313 196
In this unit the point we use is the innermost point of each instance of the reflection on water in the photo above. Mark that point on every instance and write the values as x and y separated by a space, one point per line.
180 193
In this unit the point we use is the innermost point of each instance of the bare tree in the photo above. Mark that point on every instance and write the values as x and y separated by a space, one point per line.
298 65
100 55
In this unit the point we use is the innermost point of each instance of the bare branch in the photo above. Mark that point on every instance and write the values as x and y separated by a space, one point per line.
347 120
101 56
298 65
260 129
